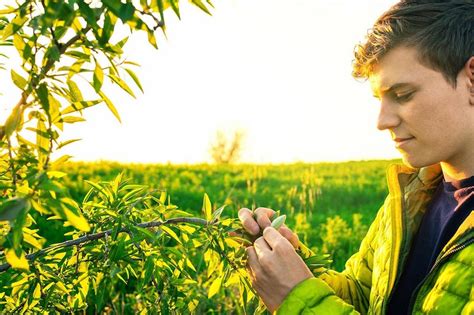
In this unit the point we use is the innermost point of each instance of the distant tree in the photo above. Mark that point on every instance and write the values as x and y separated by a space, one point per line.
124 248
226 151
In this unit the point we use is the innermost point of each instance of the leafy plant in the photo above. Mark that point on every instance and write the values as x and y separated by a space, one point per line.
123 248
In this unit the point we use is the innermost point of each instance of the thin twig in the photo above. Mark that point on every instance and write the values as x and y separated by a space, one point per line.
96 236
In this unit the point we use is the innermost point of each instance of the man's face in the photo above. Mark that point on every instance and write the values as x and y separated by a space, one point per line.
428 119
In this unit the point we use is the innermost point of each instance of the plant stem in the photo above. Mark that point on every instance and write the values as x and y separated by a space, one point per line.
96 236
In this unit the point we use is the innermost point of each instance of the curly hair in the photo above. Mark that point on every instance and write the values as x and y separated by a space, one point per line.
441 31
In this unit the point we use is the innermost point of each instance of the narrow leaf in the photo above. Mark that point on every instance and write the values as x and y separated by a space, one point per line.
135 78
215 287
124 86
75 92
110 105
72 119
17 262
77 220
98 77
207 208
19 81
63 144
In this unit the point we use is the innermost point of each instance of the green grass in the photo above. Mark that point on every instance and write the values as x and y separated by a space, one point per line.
309 194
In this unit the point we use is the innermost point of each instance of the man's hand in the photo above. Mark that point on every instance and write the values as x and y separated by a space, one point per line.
275 268
257 221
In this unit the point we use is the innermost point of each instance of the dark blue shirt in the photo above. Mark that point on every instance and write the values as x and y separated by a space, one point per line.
451 205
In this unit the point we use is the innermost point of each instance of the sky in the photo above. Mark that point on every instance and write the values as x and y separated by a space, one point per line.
280 71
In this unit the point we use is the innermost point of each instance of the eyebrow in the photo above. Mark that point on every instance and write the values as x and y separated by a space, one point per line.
393 88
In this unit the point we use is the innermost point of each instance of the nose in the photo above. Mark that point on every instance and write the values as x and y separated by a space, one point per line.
388 117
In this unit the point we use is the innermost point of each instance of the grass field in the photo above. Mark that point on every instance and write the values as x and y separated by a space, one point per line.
329 205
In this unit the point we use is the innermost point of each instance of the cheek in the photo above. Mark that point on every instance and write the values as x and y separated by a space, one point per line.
433 122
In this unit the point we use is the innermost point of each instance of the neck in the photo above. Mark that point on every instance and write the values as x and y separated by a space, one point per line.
457 172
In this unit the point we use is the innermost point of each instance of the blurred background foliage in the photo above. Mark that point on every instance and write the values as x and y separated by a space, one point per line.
329 205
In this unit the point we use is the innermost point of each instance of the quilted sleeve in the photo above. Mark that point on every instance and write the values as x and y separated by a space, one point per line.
346 292
314 296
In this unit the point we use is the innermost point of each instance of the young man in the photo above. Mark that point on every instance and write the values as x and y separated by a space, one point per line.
417 256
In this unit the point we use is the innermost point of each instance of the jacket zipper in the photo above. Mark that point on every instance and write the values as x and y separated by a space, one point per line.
436 264
402 246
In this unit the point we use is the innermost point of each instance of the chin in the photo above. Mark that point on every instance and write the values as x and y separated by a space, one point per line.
416 162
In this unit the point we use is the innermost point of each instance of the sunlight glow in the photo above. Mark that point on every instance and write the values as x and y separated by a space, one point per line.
279 70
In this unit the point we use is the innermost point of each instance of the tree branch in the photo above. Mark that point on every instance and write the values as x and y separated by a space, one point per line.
96 236
62 49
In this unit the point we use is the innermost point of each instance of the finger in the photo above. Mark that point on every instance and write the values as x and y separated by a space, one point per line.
290 236
263 216
273 238
252 260
261 247
248 221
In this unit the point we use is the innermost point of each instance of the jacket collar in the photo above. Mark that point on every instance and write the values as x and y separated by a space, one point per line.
427 178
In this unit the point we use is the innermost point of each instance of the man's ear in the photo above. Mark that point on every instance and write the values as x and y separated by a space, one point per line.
470 74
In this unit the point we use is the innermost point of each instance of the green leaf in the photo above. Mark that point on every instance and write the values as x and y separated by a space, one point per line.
11 209
201 6
65 143
54 107
53 53
100 189
278 222
14 121
17 261
152 39
78 55
126 12
149 268
73 214
175 6
8 11
113 5
77 220
75 92
110 105
43 95
42 141
19 81
217 214
18 43
72 119
171 233
135 78
133 193
107 29
63 159
98 77
75 68
78 106
87 13
122 84
14 26
207 208
215 287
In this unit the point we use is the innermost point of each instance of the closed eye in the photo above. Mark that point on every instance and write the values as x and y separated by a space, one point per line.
403 97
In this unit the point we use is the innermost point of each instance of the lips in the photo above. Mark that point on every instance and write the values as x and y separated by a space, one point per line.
402 139
401 142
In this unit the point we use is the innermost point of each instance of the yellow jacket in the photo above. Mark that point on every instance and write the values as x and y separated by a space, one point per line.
364 287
